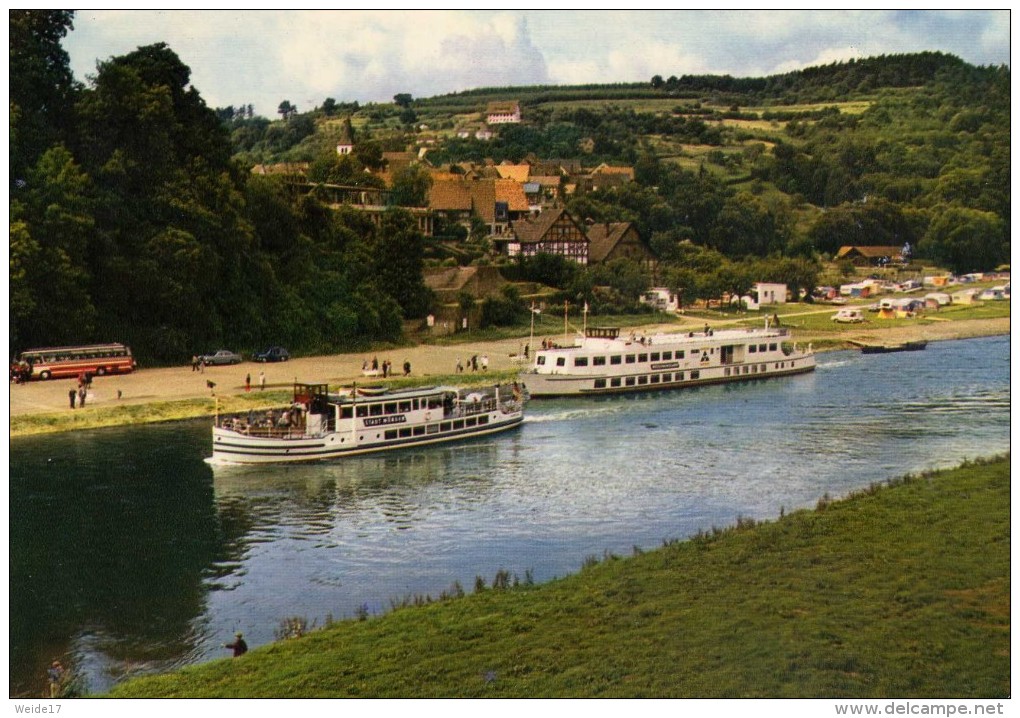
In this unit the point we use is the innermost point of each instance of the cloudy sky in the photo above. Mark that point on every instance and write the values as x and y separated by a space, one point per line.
265 57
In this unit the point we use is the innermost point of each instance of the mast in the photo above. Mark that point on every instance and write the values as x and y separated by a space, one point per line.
531 336
354 414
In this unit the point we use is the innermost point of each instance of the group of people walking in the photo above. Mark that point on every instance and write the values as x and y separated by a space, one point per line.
82 391
387 367
473 363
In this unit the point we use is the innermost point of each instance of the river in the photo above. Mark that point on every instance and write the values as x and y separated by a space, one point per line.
129 554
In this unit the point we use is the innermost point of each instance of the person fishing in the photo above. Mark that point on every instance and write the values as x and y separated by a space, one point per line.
239 647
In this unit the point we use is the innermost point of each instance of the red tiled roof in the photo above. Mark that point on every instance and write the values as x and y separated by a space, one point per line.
450 195
518 173
511 192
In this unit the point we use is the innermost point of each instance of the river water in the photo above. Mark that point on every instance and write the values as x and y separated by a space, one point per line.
129 554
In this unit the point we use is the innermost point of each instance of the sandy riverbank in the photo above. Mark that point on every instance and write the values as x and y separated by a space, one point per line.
176 383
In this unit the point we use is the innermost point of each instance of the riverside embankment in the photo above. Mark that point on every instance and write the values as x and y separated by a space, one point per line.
179 392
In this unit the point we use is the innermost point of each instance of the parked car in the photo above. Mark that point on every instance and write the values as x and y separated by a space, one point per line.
221 356
271 354
848 315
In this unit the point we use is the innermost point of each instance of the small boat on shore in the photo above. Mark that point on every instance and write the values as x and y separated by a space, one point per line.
913 346
321 425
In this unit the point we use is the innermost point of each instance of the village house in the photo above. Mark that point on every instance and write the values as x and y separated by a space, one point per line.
616 240
602 177
552 232
345 143
770 293
500 113
864 256
496 202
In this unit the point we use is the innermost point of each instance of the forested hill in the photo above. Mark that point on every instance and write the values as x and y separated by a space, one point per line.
135 217
840 81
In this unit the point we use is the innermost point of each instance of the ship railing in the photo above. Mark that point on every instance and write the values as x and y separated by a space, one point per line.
262 429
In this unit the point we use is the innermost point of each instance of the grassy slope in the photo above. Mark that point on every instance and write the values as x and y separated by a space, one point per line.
900 591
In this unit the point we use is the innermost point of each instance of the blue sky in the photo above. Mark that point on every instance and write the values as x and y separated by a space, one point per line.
265 57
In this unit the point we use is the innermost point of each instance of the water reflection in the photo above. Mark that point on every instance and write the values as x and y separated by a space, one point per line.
107 553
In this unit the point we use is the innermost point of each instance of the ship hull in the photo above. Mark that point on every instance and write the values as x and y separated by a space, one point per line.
236 448
558 385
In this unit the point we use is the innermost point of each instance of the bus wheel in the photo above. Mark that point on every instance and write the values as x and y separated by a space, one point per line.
100 371
44 375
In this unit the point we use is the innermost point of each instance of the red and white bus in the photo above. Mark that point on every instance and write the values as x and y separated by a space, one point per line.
56 362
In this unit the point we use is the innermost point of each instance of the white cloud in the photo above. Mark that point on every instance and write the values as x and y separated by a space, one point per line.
264 57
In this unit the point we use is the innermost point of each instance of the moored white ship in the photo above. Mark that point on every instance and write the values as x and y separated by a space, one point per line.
603 362
319 425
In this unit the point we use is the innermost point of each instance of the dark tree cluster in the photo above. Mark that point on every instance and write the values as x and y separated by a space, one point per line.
130 221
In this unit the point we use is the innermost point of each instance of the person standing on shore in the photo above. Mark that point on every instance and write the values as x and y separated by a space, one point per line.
55 674
262 381
71 396
247 382
239 647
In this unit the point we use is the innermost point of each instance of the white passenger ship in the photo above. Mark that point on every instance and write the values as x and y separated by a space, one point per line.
602 362
319 425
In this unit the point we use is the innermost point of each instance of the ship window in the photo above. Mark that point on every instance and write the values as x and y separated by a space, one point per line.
432 429
631 358
616 359
680 355
642 380
614 382
561 361
772 347
752 349
458 424
405 406
598 361
346 412
390 435
630 381
484 419
727 372
419 431
580 361
679 376
655 356
541 360
362 410
762 368
754 368
655 378
600 383
695 374
445 426
761 347
666 356
404 433
375 410
390 408
642 357
472 421
667 378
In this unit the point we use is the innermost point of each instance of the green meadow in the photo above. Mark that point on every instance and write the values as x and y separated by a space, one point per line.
901 589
